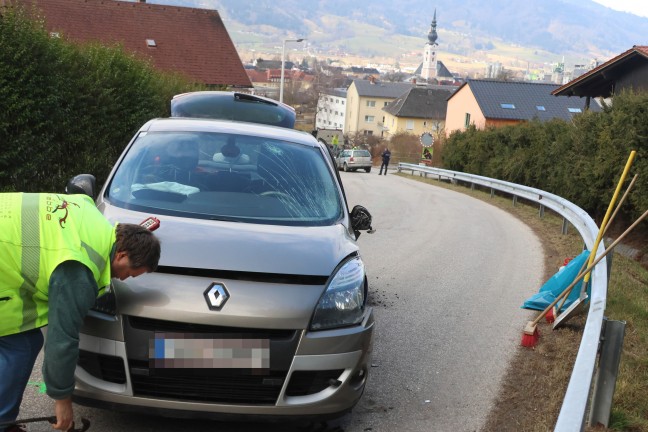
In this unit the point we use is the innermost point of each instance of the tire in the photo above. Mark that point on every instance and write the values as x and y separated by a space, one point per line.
368 169
346 167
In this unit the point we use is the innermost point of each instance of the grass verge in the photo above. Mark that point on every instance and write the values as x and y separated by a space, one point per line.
532 391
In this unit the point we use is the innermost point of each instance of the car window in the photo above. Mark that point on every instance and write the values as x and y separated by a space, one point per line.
362 153
228 177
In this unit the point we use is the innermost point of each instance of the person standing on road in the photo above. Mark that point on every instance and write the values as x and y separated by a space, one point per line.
386 155
58 253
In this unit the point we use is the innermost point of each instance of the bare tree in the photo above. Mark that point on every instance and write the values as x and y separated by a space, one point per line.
505 75
394 77
360 140
309 96
405 147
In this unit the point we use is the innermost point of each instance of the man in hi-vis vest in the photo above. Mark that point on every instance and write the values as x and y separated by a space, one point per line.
57 255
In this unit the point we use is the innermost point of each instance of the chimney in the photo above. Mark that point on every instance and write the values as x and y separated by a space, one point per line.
372 79
414 81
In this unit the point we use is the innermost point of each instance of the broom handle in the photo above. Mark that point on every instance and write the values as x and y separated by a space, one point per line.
590 267
626 169
51 420
604 228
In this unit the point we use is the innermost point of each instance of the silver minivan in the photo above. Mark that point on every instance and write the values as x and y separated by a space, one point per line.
259 304
354 159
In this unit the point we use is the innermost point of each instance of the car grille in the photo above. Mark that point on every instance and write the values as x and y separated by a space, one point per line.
234 386
154 325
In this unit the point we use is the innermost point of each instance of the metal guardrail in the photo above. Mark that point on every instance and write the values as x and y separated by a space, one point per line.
574 407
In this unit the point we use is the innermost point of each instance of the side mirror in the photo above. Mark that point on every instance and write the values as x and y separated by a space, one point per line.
361 220
82 184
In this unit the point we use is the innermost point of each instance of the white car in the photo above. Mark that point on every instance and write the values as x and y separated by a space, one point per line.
353 160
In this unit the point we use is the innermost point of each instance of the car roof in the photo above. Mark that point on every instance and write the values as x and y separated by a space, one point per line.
178 124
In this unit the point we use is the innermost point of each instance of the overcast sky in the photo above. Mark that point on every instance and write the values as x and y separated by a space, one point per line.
637 7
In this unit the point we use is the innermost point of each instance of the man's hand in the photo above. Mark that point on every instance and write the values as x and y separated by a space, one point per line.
64 414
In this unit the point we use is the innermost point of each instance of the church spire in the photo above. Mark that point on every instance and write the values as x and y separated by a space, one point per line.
432 35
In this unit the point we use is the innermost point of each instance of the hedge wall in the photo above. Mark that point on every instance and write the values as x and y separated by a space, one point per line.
581 160
67 109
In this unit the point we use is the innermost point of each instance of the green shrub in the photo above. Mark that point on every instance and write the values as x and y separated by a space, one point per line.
581 160
67 109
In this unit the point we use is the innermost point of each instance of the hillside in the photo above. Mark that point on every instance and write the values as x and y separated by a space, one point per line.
578 29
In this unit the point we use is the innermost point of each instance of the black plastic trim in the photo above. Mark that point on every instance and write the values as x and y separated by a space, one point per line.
290 279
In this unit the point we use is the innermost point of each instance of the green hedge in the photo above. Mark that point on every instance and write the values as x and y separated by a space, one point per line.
67 109
581 160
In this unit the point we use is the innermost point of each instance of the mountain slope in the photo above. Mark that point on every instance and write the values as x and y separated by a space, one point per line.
558 26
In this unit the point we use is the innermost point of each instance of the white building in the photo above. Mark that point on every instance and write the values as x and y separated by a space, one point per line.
331 106
432 69
493 70
429 68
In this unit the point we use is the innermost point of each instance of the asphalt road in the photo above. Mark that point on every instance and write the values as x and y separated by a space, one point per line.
447 276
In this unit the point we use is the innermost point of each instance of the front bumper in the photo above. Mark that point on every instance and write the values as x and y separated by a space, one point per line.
325 378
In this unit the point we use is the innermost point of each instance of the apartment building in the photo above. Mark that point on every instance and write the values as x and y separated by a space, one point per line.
365 102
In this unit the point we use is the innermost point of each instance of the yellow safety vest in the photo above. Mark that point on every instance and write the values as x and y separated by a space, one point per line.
37 233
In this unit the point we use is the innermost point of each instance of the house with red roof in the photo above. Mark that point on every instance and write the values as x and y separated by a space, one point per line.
190 41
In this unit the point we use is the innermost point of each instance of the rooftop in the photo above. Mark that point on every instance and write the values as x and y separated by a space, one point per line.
193 42
516 100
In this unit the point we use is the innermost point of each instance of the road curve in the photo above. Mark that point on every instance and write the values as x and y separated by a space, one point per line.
448 274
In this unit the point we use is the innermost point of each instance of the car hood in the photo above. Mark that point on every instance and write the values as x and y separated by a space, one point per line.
245 247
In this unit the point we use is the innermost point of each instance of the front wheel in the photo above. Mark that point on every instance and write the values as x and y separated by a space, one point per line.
368 169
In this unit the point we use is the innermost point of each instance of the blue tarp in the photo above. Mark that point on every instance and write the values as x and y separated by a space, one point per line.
557 284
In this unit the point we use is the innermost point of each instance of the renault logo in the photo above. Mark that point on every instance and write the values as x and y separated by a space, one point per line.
216 296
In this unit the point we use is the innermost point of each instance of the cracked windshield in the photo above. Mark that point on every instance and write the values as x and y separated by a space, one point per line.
226 176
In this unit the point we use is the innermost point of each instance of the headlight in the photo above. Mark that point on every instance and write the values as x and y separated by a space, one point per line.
107 303
342 304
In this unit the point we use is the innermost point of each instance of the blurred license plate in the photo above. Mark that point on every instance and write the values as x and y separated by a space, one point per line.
192 353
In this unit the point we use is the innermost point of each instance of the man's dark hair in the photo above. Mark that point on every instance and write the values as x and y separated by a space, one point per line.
141 246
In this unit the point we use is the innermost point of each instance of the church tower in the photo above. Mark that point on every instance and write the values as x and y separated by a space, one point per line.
429 69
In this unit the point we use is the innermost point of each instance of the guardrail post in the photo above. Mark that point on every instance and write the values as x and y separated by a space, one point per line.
541 210
492 192
564 226
514 200
606 376
472 186
608 261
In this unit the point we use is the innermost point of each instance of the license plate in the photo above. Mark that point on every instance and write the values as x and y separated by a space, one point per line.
180 352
